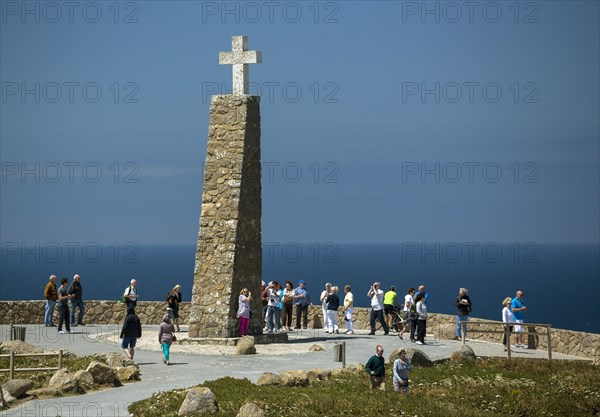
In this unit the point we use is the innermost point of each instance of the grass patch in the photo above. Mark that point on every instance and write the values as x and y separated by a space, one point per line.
492 387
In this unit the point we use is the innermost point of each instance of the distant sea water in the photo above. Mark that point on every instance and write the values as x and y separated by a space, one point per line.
561 282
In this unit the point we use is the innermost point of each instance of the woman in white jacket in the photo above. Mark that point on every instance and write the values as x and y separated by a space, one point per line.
507 318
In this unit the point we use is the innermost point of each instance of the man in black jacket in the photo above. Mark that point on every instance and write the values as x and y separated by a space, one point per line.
463 308
131 331
76 292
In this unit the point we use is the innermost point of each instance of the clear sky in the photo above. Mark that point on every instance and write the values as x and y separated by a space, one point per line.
381 121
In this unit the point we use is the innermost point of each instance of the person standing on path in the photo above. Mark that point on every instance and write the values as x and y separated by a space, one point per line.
63 306
518 308
348 303
389 304
131 331
421 318
375 367
243 312
323 299
131 295
173 300
273 319
302 301
407 315
507 318
333 305
287 304
463 308
51 297
166 336
377 308
76 293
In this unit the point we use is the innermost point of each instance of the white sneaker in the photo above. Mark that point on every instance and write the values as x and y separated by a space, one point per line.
418 342
61 332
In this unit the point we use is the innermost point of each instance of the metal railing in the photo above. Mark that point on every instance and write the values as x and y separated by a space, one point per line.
12 355
507 332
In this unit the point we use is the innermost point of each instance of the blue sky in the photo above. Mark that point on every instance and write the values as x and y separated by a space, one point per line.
503 146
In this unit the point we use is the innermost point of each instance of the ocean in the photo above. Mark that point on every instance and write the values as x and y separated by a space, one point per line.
561 283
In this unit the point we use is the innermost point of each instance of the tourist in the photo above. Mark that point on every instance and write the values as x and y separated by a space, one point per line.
264 297
463 308
375 367
415 328
401 368
280 292
243 312
51 297
273 308
63 306
507 318
287 305
173 300
76 293
323 298
166 336
421 309
131 294
131 331
377 308
518 308
302 301
407 314
348 303
333 305
389 304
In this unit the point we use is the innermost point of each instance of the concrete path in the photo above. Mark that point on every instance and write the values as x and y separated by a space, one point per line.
193 368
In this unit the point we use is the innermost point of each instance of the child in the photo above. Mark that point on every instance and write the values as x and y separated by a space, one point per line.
401 368
166 336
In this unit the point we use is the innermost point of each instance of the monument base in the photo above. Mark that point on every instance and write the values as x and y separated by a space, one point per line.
261 339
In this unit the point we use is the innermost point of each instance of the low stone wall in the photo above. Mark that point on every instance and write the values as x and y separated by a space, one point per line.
442 326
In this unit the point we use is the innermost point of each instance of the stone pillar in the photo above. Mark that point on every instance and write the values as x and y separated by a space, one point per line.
229 253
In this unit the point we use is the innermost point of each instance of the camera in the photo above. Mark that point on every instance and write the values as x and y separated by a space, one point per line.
272 300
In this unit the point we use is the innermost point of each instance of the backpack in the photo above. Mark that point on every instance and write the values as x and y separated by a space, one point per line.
124 297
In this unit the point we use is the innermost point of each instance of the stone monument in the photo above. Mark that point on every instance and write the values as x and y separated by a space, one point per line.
229 253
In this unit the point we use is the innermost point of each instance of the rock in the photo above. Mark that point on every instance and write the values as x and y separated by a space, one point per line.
464 354
197 401
46 392
245 346
64 381
114 360
294 378
446 331
8 399
84 379
419 358
269 379
316 348
19 347
102 373
128 373
18 387
250 410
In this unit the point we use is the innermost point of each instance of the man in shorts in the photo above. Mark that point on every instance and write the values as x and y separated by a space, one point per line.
518 308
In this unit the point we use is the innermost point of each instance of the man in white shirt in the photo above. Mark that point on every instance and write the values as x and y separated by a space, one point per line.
376 295
323 297
131 294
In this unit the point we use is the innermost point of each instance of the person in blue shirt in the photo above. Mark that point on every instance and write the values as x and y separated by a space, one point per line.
302 301
518 308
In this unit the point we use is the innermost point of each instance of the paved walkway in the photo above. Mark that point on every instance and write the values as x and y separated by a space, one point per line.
190 369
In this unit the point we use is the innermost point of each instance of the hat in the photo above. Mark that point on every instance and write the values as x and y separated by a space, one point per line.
263 284
301 281
270 283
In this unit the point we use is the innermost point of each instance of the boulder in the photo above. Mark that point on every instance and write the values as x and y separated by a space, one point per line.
446 331
18 387
269 379
245 346
114 360
464 354
294 378
198 400
316 348
101 373
64 381
84 379
250 410
8 399
419 358
45 392
128 373
19 347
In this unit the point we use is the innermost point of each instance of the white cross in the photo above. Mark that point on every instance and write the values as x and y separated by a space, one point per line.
240 57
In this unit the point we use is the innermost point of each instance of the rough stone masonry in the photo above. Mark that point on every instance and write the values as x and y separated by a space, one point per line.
228 255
